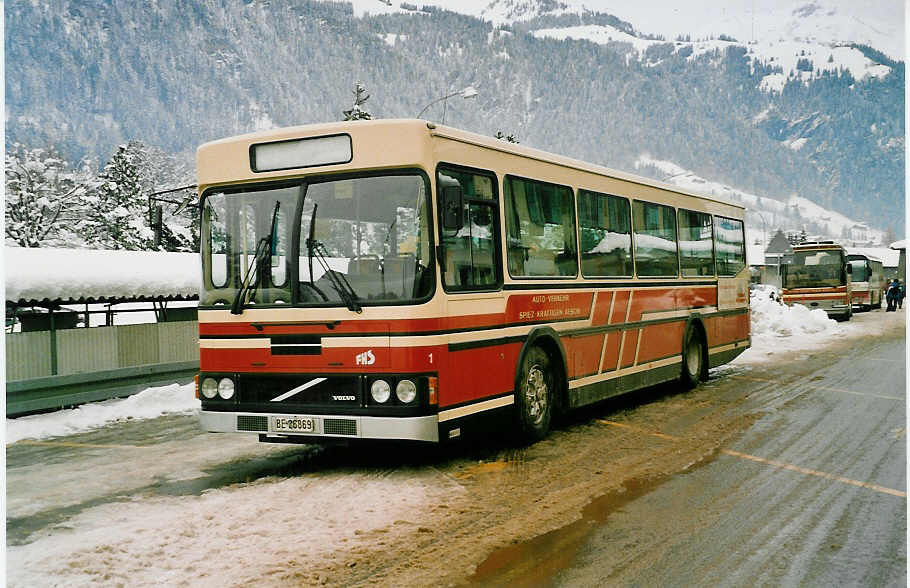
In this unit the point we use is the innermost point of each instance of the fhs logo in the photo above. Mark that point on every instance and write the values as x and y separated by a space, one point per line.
365 358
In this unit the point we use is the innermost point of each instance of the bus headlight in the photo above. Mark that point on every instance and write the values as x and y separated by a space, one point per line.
406 391
226 388
380 391
209 388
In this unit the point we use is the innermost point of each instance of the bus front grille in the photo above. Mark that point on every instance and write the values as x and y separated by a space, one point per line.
339 427
252 423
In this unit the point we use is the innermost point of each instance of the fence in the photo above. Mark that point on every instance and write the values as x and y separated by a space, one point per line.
47 369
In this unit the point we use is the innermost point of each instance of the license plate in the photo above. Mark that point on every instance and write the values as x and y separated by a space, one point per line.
293 424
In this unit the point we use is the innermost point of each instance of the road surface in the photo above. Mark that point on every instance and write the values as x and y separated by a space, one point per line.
781 470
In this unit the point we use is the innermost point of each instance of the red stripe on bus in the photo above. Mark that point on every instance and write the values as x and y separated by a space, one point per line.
660 341
602 308
628 350
619 307
473 374
611 351
584 353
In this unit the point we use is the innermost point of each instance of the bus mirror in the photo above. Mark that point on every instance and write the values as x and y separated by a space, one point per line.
452 208
849 268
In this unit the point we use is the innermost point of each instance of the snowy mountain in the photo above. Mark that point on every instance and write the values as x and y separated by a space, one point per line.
791 113
876 23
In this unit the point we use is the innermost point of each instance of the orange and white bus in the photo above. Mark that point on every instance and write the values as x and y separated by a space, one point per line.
867 279
395 279
819 277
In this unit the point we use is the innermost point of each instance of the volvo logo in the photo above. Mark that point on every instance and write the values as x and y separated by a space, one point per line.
365 358
344 397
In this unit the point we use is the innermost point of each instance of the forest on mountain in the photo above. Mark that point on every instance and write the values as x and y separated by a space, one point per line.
83 78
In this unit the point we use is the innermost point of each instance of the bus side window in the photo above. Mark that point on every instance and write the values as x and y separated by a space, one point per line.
540 220
729 246
606 235
655 239
696 243
470 258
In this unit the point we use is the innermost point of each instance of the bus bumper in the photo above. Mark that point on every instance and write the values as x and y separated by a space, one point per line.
422 428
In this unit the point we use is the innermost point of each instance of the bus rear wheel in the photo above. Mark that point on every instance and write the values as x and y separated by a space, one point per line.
534 396
693 358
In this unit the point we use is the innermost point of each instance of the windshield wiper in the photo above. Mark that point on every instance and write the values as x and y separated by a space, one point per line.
265 246
338 279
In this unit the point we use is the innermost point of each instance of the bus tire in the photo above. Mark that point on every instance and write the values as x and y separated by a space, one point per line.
534 396
694 358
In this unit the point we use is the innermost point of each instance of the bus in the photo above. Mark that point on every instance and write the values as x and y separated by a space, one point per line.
867 281
400 280
819 277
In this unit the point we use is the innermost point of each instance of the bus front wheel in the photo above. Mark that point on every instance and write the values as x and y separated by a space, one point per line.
535 395
693 358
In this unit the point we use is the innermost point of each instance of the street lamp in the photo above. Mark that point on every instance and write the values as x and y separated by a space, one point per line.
468 92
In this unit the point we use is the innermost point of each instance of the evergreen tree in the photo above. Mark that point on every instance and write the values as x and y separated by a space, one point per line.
119 215
357 112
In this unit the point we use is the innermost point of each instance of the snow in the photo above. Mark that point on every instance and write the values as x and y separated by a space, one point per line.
39 274
148 404
213 539
391 39
888 257
764 213
600 34
780 53
778 32
778 328
877 23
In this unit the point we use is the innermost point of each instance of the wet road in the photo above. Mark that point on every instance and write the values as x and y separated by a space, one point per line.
813 494
784 473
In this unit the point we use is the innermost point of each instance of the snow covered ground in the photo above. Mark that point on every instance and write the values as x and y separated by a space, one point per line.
148 404
193 539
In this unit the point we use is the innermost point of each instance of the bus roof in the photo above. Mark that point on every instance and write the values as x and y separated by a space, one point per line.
400 128
818 245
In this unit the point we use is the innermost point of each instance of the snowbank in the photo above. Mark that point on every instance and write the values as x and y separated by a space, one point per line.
148 404
779 328
39 274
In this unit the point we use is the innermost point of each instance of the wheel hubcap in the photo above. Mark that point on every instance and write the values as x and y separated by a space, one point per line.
693 357
536 394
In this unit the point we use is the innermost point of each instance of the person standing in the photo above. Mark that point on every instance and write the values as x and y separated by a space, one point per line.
893 294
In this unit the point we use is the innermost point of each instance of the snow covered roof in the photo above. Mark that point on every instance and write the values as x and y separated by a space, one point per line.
37 276
902 244
888 257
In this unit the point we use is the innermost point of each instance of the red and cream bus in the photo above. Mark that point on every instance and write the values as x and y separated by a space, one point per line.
395 279
819 277
867 280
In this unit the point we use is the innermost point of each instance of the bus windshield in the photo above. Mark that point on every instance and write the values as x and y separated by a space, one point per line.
815 269
860 270
371 232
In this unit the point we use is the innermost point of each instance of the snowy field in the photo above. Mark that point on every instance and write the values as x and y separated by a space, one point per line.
776 331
